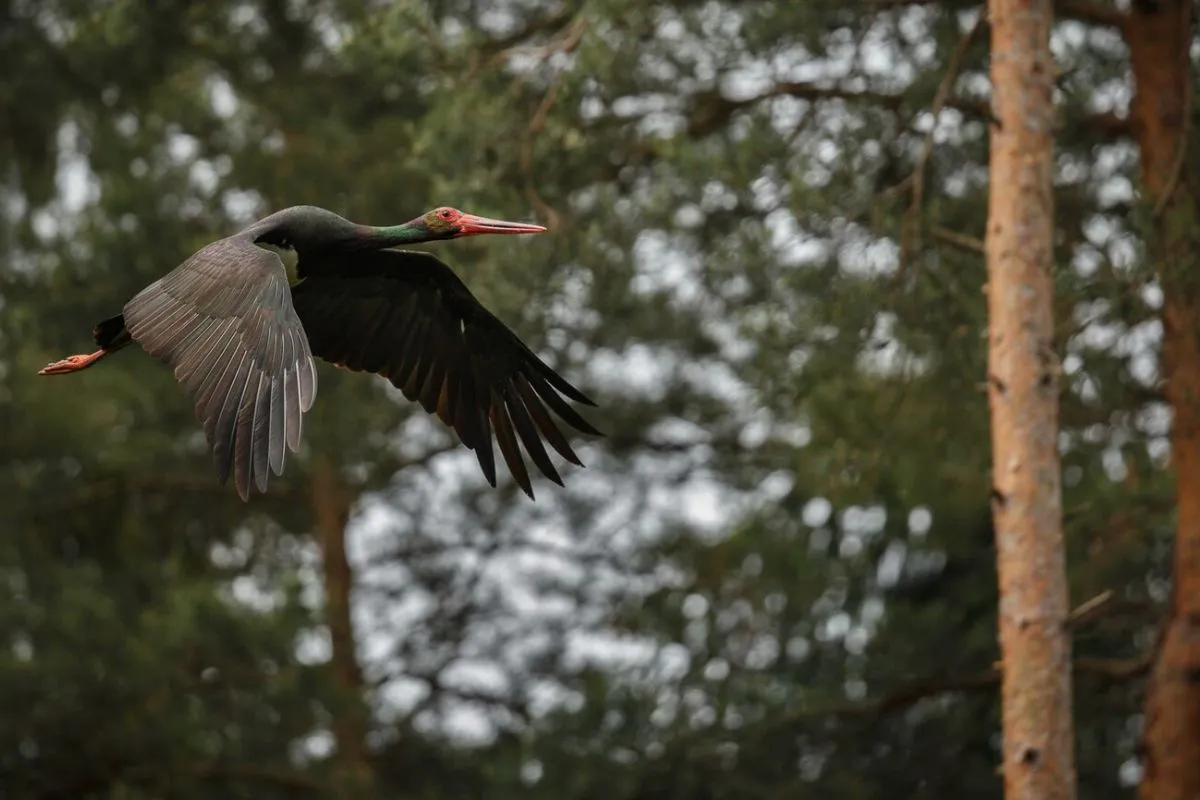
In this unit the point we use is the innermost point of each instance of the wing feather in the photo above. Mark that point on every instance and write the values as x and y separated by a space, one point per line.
508 441
406 315
278 424
260 430
223 424
291 391
213 391
523 424
224 321
242 442
544 422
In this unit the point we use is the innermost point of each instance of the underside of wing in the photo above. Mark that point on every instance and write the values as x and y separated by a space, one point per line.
223 320
406 315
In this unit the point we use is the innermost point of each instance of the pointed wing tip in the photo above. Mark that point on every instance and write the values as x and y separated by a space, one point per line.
486 465
222 471
307 398
588 428
568 389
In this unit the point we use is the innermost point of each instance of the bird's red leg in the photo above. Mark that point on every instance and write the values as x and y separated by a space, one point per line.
73 363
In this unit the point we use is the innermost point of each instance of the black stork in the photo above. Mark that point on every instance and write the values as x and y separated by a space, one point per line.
241 319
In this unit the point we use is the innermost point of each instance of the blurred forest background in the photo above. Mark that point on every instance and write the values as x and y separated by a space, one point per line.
775 578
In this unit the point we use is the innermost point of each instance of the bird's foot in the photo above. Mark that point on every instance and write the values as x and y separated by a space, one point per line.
72 363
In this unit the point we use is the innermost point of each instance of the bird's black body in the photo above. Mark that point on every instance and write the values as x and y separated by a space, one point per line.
241 333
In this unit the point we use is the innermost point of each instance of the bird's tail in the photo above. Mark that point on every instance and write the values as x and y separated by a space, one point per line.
111 334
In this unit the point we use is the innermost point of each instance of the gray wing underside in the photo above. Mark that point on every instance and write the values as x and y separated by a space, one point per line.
224 321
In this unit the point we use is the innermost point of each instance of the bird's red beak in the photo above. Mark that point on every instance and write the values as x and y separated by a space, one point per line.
471 225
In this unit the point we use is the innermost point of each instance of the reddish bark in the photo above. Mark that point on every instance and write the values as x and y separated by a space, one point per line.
1023 374
1159 35
331 506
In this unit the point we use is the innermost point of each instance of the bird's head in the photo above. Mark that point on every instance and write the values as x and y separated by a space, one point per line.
450 223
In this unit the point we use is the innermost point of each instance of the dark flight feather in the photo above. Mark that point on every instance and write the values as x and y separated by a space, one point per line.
407 316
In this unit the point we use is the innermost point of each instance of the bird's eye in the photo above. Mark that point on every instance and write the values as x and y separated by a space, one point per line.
446 213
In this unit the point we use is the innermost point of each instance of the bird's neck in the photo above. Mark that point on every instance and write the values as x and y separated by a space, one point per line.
379 238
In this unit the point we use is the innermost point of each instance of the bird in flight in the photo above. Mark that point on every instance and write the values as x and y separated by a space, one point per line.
241 320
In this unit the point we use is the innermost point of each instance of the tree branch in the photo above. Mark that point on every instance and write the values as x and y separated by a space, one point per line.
105 489
909 694
960 240
546 24
1089 11
281 776
1097 607
1184 143
710 110
538 122
910 224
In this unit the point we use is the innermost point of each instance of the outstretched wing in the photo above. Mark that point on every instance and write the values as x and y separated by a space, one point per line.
406 315
224 321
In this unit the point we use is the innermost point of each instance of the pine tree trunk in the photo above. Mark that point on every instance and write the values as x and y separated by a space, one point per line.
1159 35
1023 373
331 505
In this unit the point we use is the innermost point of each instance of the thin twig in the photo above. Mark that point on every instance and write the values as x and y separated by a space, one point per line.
910 227
507 45
1185 135
1092 13
280 775
907 695
971 243
538 122
1088 11
1089 610
711 110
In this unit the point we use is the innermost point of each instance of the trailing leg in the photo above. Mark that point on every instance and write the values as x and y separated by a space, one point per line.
110 335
